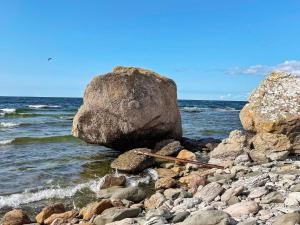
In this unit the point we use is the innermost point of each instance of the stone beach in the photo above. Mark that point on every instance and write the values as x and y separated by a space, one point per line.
260 182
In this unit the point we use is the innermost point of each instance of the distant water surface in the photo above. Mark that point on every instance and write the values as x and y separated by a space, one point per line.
41 161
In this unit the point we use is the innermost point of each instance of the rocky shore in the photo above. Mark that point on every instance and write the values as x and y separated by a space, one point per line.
259 182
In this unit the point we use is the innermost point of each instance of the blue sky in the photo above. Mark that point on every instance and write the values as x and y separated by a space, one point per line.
213 49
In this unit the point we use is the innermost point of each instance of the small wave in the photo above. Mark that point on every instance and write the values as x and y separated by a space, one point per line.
26 197
5 111
30 140
192 109
15 200
8 124
6 142
43 106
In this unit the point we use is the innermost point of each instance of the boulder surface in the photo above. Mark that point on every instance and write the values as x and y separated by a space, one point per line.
274 107
129 107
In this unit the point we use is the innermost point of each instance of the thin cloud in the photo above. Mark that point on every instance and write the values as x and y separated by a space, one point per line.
290 66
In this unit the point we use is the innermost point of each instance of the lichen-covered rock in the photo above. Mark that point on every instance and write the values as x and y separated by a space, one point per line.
15 217
132 162
169 149
274 107
129 107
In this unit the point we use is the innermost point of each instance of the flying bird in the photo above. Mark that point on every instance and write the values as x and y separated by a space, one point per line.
49 59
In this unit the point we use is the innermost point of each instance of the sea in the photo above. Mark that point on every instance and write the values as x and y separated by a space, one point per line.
40 162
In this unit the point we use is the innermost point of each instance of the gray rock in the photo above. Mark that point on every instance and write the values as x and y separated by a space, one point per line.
287 219
273 197
258 192
180 216
208 217
116 214
251 221
133 194
209 192
170 149
129 107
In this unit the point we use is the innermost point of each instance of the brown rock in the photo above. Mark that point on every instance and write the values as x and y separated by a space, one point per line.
65 216
95 208
129 107
163 172
274 107
48 211
154 201
287 219
185 154
15 217
193 180
132 162
269 146
242 208
110 180
165 182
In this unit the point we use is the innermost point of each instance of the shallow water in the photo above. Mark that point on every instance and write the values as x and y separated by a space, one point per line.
41 161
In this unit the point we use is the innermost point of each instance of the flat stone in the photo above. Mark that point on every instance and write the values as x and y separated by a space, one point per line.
234 191
172 193
131 162
209 192
273 197
258 192
163 172
171 149
208 217
116 214
134 194
180 216
287 219
242 208
251 221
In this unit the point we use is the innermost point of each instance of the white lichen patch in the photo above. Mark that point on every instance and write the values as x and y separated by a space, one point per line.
278 97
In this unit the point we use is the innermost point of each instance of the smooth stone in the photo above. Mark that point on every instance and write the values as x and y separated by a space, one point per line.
208 217
172 193
242 208
287 219
180 216
15 217
163 172
116 214
251 221
126 221
185 154
48 211
134 194
110 180
108 192
273 197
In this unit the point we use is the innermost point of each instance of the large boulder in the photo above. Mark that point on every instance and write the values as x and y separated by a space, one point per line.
129 107
274 107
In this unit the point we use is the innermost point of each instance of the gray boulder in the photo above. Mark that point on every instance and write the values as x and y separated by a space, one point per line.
129 107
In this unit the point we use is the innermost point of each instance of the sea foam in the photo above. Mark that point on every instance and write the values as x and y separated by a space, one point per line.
9 124
43 106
